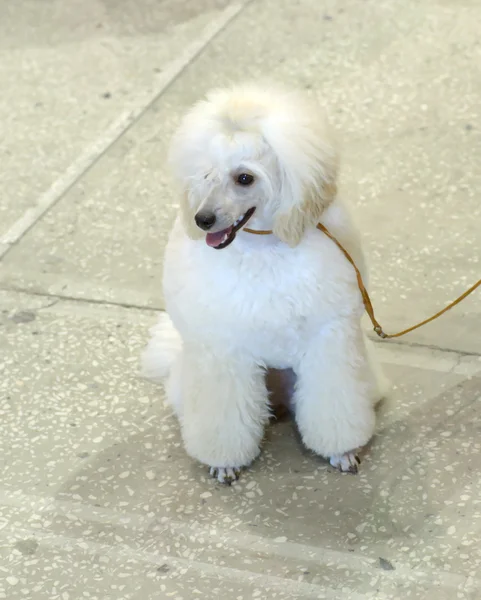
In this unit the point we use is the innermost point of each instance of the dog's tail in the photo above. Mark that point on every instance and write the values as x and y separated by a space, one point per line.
163 348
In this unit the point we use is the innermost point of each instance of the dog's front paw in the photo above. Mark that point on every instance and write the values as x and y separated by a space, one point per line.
346 463
225 475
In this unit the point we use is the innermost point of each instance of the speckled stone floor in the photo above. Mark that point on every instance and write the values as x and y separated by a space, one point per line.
98 500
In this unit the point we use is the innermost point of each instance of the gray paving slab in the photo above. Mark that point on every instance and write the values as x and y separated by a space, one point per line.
72 75
99 500
401 82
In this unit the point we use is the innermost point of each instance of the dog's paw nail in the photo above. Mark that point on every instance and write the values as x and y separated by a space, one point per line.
346 463
225 475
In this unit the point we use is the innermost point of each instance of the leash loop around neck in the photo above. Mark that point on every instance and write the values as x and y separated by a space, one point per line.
365 295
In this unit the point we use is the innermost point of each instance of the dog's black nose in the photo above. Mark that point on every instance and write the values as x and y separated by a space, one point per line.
205 220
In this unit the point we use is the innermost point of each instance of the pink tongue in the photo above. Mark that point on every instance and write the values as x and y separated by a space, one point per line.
215 239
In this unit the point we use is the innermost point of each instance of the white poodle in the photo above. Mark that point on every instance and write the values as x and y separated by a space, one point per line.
239 303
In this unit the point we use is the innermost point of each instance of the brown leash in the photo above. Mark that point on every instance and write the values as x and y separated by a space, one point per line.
365 296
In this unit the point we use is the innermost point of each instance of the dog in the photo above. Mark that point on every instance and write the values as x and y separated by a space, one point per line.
239 304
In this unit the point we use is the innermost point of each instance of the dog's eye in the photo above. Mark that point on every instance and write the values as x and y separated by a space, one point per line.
245 179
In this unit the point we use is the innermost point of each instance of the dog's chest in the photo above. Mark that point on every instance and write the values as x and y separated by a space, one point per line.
267 301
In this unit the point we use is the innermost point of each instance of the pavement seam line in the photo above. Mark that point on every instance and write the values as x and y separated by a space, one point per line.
123 552
90 156
238 539
157 309
94 301
426 346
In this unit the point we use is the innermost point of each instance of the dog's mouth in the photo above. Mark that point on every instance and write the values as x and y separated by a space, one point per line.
222 239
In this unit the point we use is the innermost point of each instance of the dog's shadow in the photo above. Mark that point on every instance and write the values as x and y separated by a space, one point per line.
280 384
282 427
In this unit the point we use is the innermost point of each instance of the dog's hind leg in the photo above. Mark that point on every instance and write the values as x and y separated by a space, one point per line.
382 382
162 350
173 387
280 384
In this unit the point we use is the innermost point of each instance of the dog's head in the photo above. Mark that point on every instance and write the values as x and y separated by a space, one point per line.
245 152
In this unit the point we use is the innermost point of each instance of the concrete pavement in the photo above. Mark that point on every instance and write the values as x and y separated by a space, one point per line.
97 498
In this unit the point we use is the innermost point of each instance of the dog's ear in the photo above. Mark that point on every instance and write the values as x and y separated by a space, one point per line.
182 163
305 211
187 213
307 169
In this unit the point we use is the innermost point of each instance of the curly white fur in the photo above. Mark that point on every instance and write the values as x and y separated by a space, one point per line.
287 300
